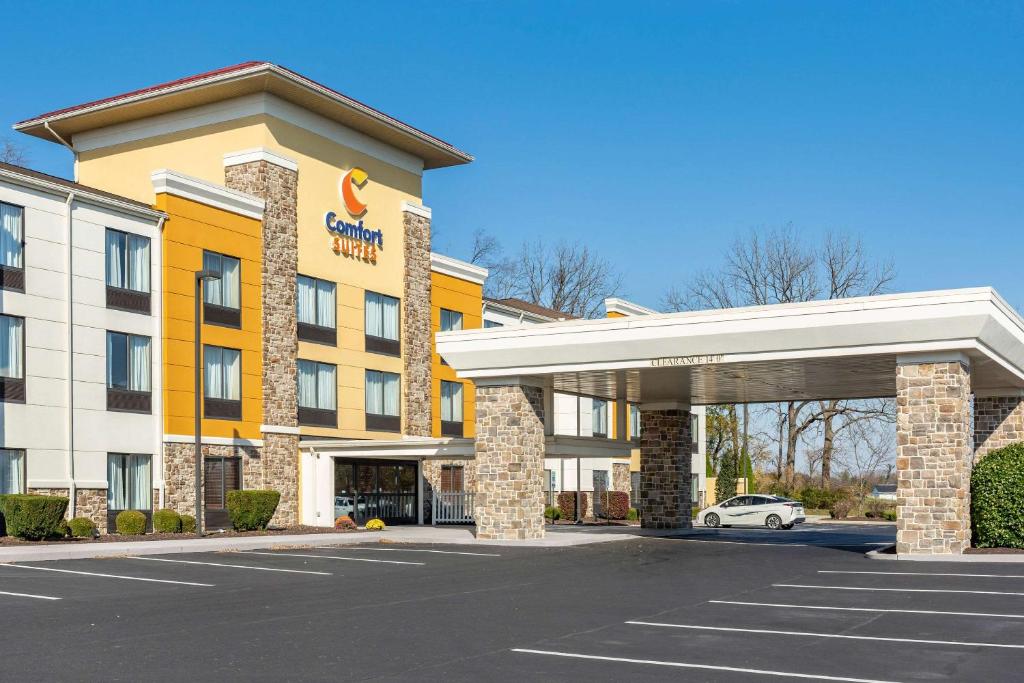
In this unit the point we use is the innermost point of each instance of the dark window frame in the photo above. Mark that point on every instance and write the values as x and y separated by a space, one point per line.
12 389
223 408
319 417
219 314
148 512
314 332
123 400
606 404
382 345
383 423
462 323
448 476
12 278
455 428
125 298
24 468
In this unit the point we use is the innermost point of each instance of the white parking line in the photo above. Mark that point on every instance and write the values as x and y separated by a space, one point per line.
330 557
715 540
705 667
410 550
29 595
891 590
108 576
233 566
812 634
870 609
978 576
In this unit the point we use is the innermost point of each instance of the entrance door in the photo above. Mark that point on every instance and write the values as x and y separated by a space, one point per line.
383 489
221 475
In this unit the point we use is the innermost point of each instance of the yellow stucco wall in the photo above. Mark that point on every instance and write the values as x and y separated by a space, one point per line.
465 297
190 228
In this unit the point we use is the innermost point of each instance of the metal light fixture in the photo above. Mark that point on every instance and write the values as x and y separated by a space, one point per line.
202 276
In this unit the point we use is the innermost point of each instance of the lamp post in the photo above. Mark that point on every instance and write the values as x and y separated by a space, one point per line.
201 277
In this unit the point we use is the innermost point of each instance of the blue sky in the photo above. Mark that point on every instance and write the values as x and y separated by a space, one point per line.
653 131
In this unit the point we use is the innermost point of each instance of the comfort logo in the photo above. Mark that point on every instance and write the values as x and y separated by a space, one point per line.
357 177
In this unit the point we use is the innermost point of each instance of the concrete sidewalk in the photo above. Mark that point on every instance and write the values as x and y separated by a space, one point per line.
213 544
969 558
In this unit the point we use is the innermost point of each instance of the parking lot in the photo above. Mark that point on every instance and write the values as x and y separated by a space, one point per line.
714 605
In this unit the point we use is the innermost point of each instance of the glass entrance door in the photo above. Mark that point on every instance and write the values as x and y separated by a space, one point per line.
385 489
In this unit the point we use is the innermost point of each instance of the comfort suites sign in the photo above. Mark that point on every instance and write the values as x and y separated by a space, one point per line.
351 237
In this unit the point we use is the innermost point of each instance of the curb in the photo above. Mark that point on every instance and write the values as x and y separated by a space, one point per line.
880 554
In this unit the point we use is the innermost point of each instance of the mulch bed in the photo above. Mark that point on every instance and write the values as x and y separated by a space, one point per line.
601 522
115 538
994 551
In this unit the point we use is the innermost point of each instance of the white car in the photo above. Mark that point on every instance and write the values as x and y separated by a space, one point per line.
774 512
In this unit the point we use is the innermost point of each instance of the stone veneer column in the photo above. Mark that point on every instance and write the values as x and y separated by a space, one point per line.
509 501
665 464
278 187
416 337
934 454
620 477
998 422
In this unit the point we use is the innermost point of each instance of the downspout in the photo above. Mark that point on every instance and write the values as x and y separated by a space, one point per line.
69 316
159 412
46 125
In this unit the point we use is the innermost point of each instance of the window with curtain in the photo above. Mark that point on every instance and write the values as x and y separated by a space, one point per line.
382 394
12 347
12 471
450 320
318 385
127 261
227 290
451 401
129 363
12 236
316 301
129 482
222 373
492 323
381 316
599 413
634 422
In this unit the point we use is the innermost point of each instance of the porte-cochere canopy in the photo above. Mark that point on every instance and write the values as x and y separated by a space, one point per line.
941 354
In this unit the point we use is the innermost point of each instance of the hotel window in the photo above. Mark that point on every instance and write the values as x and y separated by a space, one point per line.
129 485
316 310
599 416
492 323
318 394
382 324
634 422
12 359
450 321
222 383
127 271
12 471
12 247
451 409
452 480
129 368
382 398
222 298
695 434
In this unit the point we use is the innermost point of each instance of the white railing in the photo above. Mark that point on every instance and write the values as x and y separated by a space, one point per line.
452 507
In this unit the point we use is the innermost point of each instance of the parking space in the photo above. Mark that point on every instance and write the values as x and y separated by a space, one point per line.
721 606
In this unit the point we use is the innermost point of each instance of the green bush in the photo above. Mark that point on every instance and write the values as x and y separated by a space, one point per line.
997 498
130 523
552 512
876 508
815 498
166 522
82 527
633 514
188 524
889 515
34 517
567 504
252 510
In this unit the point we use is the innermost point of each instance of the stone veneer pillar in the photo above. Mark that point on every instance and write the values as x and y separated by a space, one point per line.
416 336
998 422
665 464
934 454
277 185
509 501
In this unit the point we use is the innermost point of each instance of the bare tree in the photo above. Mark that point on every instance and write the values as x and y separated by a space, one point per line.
11 153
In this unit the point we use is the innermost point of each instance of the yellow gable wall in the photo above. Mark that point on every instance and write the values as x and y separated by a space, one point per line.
190 228
467 298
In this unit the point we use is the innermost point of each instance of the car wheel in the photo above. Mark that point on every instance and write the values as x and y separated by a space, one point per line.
773 522
712 520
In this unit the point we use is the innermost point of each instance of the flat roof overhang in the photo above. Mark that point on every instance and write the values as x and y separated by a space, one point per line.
846 348
238 81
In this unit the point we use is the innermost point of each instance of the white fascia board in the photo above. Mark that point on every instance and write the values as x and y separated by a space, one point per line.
180 185
559 446
399 448
526 316
974 319
463 270
81 195
417 209
247 156
213 440
617 305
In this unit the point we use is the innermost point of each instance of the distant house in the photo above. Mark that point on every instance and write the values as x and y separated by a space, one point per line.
884 491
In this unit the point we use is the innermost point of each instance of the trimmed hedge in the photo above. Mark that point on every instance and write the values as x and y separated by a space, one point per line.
82 527
815 498
167 522
130 523
997 499
633 514
188 524
252 510
614 504
551 512
33 517
567 504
